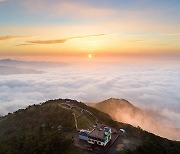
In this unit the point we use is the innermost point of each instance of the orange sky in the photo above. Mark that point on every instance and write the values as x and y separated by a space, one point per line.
68 29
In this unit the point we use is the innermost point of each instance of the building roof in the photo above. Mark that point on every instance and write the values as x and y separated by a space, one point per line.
98 132
83 133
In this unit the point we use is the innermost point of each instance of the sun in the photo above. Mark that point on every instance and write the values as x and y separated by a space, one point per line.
90 56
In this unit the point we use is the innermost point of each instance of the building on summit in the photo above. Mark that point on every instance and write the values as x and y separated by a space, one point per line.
99 135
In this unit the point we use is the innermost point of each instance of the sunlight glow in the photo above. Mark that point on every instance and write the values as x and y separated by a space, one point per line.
89 56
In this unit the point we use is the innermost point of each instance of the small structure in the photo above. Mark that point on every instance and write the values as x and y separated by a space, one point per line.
122 131
99 135
83 135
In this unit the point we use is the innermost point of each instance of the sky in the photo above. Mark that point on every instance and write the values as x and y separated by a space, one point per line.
67 29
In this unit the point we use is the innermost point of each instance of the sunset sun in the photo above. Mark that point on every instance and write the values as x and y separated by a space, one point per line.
90 56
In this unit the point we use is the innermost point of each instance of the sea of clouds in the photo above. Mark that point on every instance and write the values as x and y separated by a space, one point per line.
153 86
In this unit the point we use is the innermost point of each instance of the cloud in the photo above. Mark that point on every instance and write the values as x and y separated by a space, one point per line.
9 38
165 44
133 40
173 34
146 119
156 34
154 86
48 41
34 42
23 44
149 121
61 40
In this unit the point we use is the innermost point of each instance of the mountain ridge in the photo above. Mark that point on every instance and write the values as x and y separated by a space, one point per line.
7 70
31 64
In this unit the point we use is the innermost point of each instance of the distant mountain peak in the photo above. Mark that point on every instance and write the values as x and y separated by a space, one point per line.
7 70
31 64
117 101
7 60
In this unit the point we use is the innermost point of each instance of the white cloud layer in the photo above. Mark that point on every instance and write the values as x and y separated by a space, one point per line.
150 86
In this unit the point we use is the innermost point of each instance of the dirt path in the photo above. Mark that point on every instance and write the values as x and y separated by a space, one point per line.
70 107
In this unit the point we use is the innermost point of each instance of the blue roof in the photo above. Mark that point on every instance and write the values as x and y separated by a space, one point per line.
83 133
106 129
